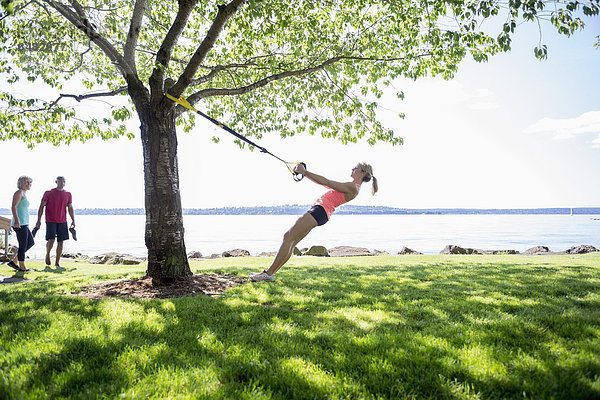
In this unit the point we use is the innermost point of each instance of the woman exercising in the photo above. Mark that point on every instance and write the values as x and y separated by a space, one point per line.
319 214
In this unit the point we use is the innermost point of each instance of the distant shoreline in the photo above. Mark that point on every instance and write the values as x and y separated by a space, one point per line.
345 209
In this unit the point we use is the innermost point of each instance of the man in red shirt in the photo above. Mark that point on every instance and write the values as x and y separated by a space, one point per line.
57 201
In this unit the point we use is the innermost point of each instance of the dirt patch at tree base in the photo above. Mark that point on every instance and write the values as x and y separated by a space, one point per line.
142 288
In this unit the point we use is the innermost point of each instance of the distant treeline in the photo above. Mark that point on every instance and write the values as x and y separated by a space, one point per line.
345 209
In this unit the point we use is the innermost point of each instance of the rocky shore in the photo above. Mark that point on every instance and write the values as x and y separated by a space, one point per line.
322 251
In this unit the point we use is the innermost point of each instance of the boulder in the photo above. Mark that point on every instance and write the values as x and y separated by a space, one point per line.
318 251
537 250
453 249
503 252
236 253
194 254
117 259
71 255
77 257
380 253
297 251
582 249
347 251
405 250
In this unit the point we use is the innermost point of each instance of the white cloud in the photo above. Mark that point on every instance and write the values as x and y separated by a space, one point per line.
567 128
596 143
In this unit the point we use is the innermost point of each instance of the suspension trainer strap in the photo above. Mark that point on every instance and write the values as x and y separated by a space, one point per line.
187 105
297 177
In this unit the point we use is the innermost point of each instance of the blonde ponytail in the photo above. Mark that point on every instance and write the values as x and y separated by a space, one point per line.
368 170
374 186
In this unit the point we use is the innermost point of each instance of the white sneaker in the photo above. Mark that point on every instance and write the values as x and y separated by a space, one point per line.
257 273
263 276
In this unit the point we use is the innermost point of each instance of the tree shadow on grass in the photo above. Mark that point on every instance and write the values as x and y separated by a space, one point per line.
428 331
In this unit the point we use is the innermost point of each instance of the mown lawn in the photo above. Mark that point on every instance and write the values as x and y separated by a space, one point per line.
388 327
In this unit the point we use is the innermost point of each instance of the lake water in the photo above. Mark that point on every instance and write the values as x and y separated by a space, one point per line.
428 234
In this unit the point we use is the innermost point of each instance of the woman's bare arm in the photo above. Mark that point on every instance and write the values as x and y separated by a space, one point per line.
348 188
15 202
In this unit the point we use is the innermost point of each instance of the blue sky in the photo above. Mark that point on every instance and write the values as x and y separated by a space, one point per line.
514 132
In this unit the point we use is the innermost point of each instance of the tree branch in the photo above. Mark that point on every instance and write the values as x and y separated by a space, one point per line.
166 48
92 95
72 70
84 25
206 78
194 98
224 13
134 33
76 97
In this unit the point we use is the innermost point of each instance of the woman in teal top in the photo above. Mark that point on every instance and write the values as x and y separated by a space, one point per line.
20 223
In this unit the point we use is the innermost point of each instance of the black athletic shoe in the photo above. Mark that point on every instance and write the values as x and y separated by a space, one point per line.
13 265
73 233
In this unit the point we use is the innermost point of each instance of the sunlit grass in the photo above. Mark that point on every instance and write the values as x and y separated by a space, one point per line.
413 327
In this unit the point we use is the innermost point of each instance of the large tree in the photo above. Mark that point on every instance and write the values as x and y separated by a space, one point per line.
287 66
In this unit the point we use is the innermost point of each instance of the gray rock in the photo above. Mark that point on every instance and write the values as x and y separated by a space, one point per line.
318 251
236 253
453 249
582 249
405 250
194 254
379 253
77 257
348 251
71 255
116 259
502 252
537 250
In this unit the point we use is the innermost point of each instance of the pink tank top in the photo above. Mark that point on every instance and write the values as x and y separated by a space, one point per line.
331 200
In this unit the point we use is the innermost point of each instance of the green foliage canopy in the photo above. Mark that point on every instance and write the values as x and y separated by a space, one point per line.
287 66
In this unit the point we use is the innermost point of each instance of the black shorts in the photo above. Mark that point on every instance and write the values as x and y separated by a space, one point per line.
319 214
57 230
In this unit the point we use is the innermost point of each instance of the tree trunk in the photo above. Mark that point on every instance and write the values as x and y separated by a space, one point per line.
167 259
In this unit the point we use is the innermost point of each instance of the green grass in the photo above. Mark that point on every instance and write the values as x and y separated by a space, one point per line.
389 327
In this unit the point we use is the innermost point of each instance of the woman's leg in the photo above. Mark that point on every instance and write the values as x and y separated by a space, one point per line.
30 243
291 238
22 239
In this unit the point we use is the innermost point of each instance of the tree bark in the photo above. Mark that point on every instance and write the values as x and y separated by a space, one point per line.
167 259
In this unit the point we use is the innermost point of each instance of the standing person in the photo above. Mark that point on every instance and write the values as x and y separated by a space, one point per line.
57 201
20 223
319 214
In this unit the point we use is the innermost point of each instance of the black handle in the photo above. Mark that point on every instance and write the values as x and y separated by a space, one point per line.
298 176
